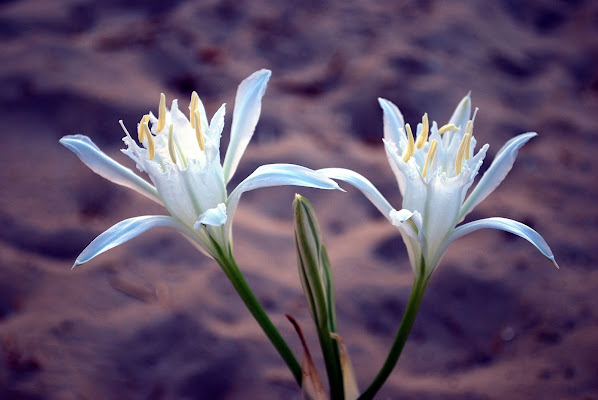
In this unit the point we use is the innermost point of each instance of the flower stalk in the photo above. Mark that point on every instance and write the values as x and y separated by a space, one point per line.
417 293
227 261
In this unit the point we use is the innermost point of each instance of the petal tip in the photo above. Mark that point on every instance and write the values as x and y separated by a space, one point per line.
554 262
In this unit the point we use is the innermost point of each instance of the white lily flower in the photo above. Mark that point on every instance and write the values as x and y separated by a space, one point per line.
434 170
182 159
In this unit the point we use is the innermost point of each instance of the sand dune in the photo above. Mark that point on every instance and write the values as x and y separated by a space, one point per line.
154 319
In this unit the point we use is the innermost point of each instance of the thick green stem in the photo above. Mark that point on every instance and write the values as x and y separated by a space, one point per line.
417 292
233 273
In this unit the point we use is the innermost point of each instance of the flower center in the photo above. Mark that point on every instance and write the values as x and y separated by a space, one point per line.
462 154
174 147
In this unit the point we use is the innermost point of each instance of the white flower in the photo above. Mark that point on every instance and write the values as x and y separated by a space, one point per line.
182 159
434 174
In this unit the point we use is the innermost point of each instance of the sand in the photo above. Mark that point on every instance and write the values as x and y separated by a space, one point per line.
155 319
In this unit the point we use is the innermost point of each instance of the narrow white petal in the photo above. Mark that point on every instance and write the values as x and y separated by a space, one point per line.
462 113
363 185
123 232
248 105
507 225
107 167
500 167
214 216
277 175
393 122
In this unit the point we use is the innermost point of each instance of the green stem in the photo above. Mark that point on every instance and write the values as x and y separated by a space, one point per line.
235 276
417 292
332 362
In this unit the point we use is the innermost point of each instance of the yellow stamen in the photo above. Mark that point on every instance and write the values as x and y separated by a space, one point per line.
171 145
469 127
461 152
467 152
192 107
198 130
447 128
423 136
140 132
430 157
150 141
161 113
469 130
410 144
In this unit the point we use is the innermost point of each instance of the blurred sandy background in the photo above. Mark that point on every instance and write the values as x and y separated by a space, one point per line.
154 319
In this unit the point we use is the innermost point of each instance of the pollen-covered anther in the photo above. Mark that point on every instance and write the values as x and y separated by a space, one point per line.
463 149
171 150
410 144
140 131
447 128
150 141
423 136
192 107
430 157
198 130
469 127
161 113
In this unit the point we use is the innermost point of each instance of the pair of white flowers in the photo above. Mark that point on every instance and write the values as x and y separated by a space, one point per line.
181 156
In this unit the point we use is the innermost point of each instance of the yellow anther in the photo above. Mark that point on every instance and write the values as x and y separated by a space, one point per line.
150 141
423 136
467 152
162 113
469 127
192 107
447 128
171 144
461 152
430 157
468 135
410 144
140 133
198 130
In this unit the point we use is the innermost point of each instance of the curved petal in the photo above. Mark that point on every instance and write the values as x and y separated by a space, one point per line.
500 167
277 175
248 105
409 225
507 225
214 216
393 122
123 232
107 167
362 184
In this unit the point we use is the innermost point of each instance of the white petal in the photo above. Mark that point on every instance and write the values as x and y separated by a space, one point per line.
362 184
462 113
507 225
107 167
399 168
500 167
123 232
248 105
216 126
277 175
409 225
214 216
393 122
401 219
